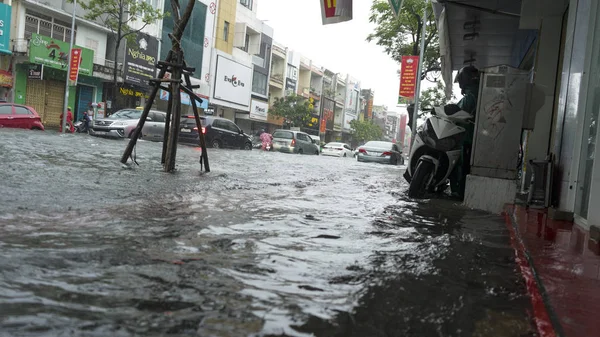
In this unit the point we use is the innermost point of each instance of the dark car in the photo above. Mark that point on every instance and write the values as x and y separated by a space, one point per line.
19 116
218 132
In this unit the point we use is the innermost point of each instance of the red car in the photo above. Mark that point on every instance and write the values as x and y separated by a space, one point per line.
19 116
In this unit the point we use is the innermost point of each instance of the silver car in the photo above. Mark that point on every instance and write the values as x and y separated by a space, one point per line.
294 142
122 123
380 152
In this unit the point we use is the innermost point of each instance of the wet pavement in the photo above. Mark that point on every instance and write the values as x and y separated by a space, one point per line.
267 244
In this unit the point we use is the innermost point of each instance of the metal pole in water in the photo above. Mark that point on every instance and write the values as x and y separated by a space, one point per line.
64 119
413 127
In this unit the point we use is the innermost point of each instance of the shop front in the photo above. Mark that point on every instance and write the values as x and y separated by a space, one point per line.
40 83
256 120
6 75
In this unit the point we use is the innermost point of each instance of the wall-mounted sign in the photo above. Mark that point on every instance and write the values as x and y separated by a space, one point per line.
336 11
5 15
185 99
35 72
328 115
131 92
259 110
233 82
103 69
6 79
140 60
55 54
74 67
408 76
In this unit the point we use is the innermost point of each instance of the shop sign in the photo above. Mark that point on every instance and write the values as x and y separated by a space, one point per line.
185 99
35 72
54 54
74 67
259 110
5 15
140 60
336 11
233 81
6 79
328 115
131 92
103 69
370 109
408 76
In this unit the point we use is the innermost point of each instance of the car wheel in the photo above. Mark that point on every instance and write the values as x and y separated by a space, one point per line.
216 144
317 152
35 128
394 160
248 146
300 151
344 155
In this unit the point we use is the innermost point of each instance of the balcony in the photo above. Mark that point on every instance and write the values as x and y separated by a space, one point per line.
315 94
304 92
278 51
276 81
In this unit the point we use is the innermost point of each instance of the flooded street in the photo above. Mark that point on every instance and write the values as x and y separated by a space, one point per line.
266 244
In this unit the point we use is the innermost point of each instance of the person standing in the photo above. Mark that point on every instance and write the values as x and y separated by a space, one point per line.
69 121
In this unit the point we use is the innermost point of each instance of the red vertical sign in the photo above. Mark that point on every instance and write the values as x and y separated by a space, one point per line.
408 76
336 11
74 66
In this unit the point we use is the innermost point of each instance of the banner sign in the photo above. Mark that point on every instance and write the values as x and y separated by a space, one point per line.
140 60
403 121
185 99
408 76
370 109
35 72
74 67
336 11
54 54
6 79
328 115
5 15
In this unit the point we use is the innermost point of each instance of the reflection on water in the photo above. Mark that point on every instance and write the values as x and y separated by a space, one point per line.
267 243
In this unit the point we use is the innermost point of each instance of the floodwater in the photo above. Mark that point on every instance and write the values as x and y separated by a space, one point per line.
266 244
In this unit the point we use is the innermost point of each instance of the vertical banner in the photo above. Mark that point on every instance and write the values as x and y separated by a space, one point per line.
402 133
336 11
408 76
74 66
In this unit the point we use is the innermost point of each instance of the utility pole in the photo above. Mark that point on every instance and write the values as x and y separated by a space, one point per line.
64 120
413 127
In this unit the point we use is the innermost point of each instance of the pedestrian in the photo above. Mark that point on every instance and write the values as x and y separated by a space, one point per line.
69 121
266 139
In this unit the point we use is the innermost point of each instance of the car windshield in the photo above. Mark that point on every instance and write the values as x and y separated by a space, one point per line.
334 145
380 145
127 114
283 134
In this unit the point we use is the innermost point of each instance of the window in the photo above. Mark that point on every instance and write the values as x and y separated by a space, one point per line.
302 137
19 110
231 127
283 135
47 26
226 31
259 83
246 43
160 117
6 109
247 3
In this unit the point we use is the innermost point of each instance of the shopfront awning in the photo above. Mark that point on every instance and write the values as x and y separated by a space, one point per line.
478 32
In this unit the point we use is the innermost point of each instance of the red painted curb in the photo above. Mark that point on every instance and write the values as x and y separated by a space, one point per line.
540 314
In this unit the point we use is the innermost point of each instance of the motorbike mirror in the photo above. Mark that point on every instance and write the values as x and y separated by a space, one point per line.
148 119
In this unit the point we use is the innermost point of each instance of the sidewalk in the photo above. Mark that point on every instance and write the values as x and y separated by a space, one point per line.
566 270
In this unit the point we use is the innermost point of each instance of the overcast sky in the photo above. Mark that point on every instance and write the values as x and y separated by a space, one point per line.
339 47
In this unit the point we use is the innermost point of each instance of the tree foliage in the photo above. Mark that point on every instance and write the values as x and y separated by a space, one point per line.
434 96
120 16
294 109
364 131
401 35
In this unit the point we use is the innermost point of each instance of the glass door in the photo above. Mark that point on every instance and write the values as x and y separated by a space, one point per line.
590 131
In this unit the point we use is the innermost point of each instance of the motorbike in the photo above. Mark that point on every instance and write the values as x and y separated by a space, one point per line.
436 151
80 126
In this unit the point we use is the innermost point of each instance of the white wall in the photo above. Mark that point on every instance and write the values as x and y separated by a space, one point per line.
209 33
213 72
85 38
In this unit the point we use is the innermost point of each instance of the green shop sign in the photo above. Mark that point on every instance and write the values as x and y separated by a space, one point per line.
55 54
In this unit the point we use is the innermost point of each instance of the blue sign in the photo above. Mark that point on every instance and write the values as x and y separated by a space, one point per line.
5 11
185 99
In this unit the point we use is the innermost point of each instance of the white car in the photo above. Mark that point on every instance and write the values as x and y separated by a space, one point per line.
337 150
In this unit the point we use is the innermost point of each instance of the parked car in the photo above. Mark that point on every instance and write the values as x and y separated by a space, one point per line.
122 123
337 150
294 142
380 152
19 116
218 132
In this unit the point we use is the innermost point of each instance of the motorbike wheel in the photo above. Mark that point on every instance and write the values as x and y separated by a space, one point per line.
418 184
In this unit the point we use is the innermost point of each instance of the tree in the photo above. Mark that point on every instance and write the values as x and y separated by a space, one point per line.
364 131
118 16
402 35
295 110
434 96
